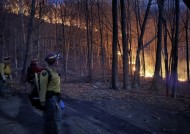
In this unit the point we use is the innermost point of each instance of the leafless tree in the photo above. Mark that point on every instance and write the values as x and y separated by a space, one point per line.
30 27
114 45
89 45
126 79
136 79
186 25
166 56
156 79
174 54
101 30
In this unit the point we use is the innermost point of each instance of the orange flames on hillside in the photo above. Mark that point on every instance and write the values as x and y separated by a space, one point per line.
55 20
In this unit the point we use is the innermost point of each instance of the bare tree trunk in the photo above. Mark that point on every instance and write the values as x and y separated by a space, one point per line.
30 27
91 28
67 50
80 48
174 74
38 32
156 79
166 58
186 25
63 36
126 79
101 42
2 36
136 79
108 54
23 38
143 62
187 45
87 16
129 30
15 52
114 45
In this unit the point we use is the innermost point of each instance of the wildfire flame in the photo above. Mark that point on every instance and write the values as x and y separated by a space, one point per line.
16 9
182 79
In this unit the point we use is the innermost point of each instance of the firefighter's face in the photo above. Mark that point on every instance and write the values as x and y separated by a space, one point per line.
7 61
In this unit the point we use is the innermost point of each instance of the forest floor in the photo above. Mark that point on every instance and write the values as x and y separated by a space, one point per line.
92 108
128 112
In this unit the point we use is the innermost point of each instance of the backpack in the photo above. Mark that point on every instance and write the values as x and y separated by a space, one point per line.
30 75
37 78
34 95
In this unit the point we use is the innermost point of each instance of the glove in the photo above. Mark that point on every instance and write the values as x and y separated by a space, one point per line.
3 77
61 104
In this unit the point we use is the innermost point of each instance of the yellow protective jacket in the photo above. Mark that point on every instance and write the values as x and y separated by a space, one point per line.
52 85
5 70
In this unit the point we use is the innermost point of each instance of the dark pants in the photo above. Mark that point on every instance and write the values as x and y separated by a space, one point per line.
34 98
5 88
53 116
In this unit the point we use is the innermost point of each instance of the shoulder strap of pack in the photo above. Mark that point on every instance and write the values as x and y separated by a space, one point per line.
49 78
49 74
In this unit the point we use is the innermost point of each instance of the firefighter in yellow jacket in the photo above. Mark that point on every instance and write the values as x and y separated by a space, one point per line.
5 76
50 97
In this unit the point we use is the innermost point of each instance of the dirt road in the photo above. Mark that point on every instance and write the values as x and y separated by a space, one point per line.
19 117
87 118
100 111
